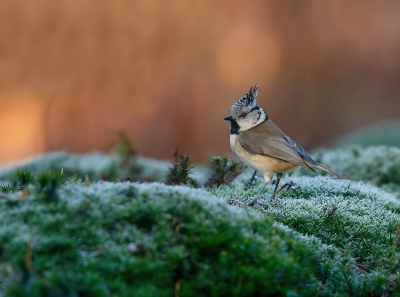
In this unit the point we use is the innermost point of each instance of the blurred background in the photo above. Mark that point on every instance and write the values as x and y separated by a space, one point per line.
166 72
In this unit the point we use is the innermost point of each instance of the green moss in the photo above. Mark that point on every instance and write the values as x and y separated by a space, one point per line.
379 165
359 220
94 166
179 172
24 178
149 239
224 170
328 238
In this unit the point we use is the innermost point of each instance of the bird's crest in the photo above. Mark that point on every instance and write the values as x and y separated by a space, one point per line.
250 97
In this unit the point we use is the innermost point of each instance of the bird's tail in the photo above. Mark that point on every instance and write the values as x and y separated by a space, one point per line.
326 169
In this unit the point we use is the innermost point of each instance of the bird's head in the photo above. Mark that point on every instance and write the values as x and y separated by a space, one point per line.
245 114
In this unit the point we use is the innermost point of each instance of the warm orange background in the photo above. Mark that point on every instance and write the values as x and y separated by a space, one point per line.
167 71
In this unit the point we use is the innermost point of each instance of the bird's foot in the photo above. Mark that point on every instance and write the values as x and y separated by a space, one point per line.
288 185
254 201
261 202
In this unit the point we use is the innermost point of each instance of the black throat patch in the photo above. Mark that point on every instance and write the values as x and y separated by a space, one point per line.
234 127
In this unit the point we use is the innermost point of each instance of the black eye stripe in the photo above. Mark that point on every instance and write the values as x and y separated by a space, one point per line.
255 108
244 114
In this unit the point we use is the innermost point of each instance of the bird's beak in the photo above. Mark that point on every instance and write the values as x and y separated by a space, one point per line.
228 118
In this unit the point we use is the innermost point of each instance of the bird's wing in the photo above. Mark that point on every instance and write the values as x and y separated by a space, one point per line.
267 139
301 151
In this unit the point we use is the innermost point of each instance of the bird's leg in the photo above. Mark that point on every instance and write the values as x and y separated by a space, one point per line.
278 179
254 201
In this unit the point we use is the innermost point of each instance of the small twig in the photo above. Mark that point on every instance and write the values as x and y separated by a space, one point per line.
28 261
177 288
331 212
237 203
126 178
288 185
28 255
235 175
396 239
87 180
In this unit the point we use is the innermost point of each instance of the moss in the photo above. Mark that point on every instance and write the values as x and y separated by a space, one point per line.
151 240
358 219
24 178
225 170
93 166
379 165
327 238
179 172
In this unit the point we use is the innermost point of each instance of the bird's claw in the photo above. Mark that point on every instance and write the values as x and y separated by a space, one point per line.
258 205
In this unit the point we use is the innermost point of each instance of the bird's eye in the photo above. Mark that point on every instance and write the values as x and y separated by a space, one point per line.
243 115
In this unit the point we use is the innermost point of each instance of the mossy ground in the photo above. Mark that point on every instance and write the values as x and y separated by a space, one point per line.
111 238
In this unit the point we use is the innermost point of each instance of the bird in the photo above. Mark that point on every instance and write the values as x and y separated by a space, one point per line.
261 145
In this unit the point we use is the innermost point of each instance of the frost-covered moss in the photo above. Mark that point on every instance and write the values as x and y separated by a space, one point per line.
99 166
94 166
343 213
379 165
328 238
123 239
358 219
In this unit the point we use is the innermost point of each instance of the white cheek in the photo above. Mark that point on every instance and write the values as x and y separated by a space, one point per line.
245 125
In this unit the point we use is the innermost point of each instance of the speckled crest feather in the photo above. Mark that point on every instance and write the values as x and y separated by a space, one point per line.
246 102
250 97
